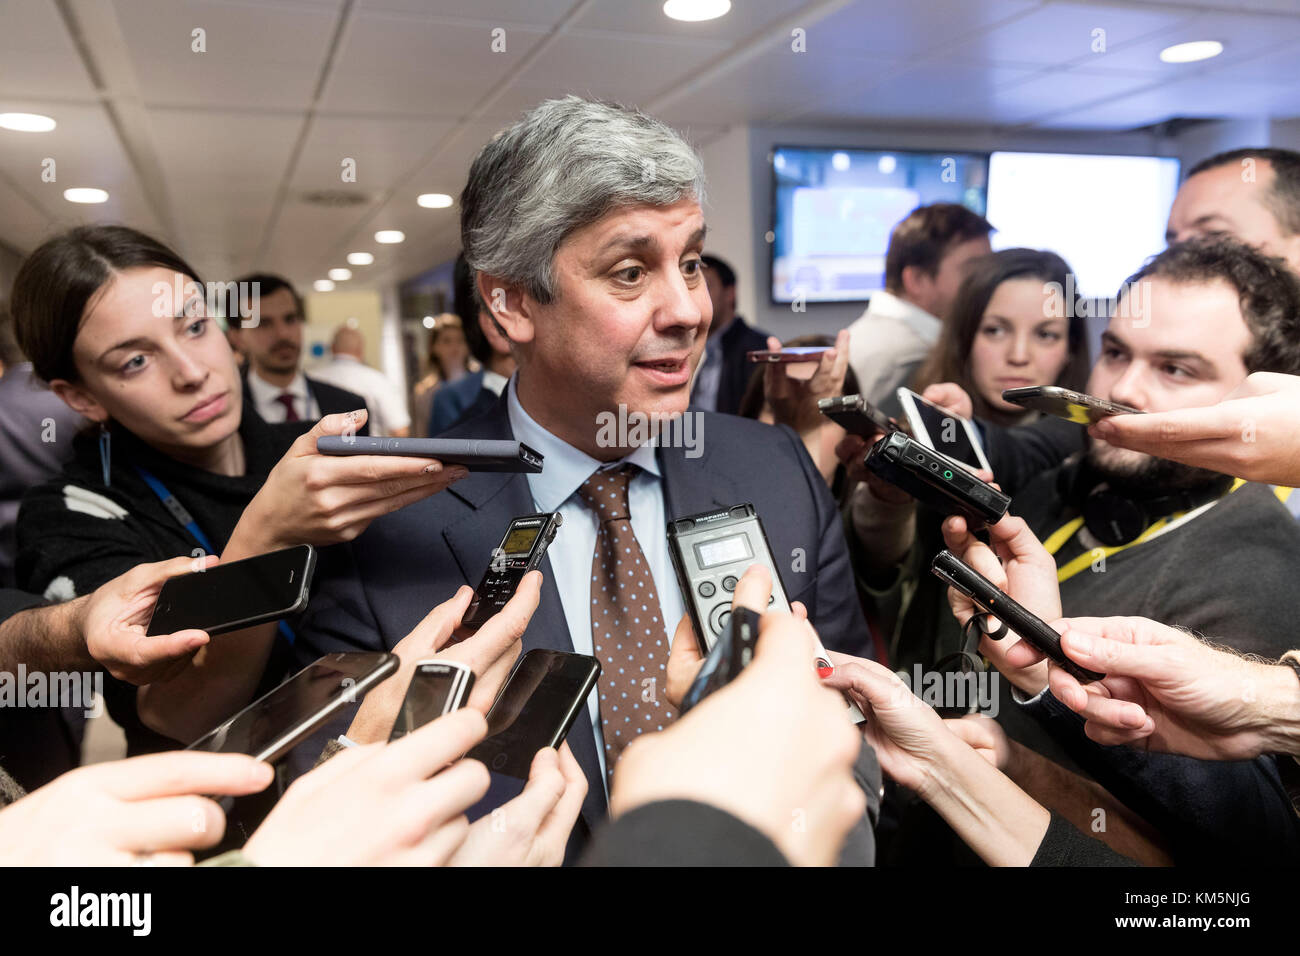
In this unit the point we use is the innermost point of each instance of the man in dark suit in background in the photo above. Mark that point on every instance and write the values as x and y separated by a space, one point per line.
725 371
472 395
595 276
274 386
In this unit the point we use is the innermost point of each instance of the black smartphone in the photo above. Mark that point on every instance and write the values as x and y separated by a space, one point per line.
539 703
936 480
436 688
232 596
730 655
857 416
522 549
989 597
476 454
270 726
1065 403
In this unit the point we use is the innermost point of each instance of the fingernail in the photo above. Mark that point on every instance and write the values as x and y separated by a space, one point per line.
430 469
1081 643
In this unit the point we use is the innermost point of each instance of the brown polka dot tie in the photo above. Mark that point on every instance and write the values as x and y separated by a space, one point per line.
630 640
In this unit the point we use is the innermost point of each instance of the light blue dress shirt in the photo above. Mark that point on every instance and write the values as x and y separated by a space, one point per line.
555 489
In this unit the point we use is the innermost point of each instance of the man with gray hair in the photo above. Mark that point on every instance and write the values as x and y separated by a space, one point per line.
584 227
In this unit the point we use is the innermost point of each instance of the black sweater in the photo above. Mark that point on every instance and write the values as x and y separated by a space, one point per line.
75 533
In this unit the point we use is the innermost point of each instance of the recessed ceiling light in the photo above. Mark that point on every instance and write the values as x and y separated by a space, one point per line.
27 122
86 194
1191 52
429 321
840 162
389 236
433 200
323 285
340 275
360 258
696 10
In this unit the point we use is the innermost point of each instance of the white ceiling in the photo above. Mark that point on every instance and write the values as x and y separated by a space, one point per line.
214 150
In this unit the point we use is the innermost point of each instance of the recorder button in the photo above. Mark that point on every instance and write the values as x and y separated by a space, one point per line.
729 583
706 589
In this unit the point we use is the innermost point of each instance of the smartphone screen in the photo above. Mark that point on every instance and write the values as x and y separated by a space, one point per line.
230 596
947 433
436 689
535 709
272 724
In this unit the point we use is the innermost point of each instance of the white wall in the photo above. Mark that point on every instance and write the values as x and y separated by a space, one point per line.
729 211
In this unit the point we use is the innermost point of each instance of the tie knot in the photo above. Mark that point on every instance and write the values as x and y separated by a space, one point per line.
605 492
290 406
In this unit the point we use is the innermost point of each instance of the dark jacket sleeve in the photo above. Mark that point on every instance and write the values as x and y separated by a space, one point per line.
681 833
1021 453
1207 811
837 613
1063 845
76 539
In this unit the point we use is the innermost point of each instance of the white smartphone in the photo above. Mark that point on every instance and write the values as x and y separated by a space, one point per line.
943 431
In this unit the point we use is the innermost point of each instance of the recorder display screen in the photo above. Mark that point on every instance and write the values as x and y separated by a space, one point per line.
520 541
723 550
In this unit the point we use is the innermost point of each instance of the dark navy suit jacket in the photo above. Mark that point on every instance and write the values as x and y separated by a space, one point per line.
371 593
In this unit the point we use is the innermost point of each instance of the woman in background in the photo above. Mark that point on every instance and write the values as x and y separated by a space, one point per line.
448 359
1010 326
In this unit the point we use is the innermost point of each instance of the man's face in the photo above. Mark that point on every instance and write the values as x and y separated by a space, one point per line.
1232 200
275 344
723 299
627 324
1186 349
936 293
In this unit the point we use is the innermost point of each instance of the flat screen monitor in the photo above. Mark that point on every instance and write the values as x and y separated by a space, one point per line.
834 208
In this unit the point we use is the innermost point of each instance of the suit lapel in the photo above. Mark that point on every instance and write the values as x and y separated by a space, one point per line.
690 485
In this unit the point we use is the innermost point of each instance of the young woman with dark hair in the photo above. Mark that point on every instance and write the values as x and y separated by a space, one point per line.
1014 322
116 323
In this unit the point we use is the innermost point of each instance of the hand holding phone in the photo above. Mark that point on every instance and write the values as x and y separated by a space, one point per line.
233 596
1068 404
522 549
536 708
989 597
857 416
270 726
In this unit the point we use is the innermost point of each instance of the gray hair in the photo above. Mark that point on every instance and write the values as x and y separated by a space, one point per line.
563 166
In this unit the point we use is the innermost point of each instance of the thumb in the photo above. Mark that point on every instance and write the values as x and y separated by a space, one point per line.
152 575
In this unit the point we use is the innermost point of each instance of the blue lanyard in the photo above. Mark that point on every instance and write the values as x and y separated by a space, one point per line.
186 521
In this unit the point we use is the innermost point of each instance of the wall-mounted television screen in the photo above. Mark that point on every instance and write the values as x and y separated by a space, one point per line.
833 210
1103 214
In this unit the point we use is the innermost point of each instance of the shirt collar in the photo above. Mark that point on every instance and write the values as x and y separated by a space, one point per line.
265 391
566 467
890 306
494 382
